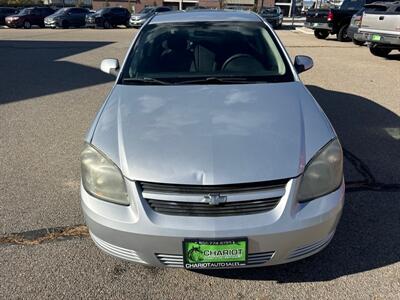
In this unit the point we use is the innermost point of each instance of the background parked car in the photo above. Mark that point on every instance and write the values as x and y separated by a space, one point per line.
138 20
356 21
5 12
273 15
381 29
334 21
66 17
108 17
354 25
28 17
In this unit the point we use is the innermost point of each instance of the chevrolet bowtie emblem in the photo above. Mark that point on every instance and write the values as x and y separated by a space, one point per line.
215 199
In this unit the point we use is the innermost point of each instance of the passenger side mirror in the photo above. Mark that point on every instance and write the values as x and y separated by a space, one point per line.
303 63
110 66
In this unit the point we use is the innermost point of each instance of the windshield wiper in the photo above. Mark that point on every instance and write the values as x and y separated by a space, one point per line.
144 80
226 80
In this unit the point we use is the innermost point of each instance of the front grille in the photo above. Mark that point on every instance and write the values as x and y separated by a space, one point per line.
205 209
253 259
189 200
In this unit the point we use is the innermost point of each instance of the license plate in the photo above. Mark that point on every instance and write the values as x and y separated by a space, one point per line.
209 254
316 24
376 38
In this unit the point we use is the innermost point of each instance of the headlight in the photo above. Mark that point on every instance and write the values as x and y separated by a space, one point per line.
101 177
323 174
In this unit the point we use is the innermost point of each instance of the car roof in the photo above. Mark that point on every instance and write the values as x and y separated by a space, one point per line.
203 15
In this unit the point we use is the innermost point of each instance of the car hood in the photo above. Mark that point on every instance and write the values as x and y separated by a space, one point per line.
214 134
139 15
55 15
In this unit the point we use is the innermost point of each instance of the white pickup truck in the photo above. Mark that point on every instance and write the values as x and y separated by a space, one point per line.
381 29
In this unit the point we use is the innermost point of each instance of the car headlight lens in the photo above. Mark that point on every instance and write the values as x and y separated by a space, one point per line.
101 177
323 174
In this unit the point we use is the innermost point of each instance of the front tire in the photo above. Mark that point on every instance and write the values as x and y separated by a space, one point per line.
321 34
27 25
342 34
381 52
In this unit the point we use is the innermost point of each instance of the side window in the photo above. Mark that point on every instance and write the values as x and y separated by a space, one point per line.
352 4
161 9
46 11
371 8
75 11
114 11
119 12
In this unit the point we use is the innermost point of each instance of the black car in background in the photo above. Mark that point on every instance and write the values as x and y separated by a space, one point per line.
67 17
108 17
334 21
29 16
5 12
273 15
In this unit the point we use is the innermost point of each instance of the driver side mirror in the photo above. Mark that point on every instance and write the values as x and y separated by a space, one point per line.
110 66
303 63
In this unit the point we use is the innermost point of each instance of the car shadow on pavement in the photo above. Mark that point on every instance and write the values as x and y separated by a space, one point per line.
35 68
368 234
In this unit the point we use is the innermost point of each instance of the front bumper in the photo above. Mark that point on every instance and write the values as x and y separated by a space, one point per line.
274 22
136 23
289 232
14 24
50 24
323 26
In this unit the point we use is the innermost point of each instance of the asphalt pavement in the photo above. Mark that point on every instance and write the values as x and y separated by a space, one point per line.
50 91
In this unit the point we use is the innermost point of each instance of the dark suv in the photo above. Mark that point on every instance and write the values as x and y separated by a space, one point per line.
66 17
5 12
28 17
108 17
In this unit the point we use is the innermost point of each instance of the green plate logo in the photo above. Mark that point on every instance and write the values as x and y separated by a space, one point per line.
214 253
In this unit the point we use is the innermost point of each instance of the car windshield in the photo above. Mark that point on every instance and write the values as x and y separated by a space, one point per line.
61 11
271 10
25 11
103 10
175 53
146 10
351 5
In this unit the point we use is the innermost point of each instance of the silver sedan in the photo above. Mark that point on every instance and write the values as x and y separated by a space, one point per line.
209 151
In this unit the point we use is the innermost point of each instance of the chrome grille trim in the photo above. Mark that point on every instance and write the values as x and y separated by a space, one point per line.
206 189
253 259
124 253
304 250
204 209
189 200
